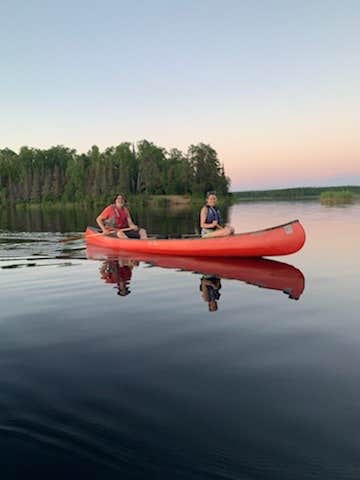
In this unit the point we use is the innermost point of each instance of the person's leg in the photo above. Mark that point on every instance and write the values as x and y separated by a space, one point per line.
143 233
220 232
228 230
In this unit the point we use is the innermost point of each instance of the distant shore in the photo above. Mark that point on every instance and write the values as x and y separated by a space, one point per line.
299 193
327 195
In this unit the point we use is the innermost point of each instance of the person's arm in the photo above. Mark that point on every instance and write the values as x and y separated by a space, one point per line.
203 224
100 221
131 224
204 291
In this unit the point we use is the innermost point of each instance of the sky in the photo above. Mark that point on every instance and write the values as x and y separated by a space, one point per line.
272 85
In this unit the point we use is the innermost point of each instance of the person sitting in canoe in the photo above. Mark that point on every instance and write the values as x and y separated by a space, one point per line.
115 218
210 219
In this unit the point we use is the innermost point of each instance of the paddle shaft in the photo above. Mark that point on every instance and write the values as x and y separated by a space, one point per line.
71 239
154 236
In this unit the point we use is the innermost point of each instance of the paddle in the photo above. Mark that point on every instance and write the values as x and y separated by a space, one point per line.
70 239
154 236
79 237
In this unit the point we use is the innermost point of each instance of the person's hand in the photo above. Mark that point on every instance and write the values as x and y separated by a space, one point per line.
214 223
107 230
135 227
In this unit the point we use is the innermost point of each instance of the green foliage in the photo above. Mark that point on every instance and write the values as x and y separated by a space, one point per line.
302 193
206 171
335 197
60 174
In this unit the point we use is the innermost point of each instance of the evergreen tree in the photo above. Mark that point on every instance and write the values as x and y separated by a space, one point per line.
59 173
208 173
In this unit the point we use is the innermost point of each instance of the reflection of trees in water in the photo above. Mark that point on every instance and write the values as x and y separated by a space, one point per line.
36 219
166 220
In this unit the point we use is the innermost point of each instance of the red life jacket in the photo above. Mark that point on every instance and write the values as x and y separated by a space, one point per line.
116 217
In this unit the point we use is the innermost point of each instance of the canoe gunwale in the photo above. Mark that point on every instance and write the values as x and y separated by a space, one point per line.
252 232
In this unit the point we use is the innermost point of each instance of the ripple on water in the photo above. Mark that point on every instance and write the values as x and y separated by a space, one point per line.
24 249
152 385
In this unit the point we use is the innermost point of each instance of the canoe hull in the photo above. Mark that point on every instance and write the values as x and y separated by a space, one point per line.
280 240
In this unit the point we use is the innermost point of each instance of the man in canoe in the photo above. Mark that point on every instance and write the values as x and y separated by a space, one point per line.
116 219
210 219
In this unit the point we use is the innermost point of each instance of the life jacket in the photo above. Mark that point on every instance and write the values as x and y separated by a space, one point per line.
212 290
213 213
118 218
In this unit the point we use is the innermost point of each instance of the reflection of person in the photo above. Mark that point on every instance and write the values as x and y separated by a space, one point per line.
119 272
209 287
116 218
210 219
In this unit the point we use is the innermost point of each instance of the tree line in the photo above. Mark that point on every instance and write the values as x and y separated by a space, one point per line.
62 174
297 193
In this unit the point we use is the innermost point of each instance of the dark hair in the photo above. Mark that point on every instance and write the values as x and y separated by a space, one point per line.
210 192
120 195
123 294
213 306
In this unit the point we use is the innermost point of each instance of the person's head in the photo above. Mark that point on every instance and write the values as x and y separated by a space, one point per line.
213 306
120 200
211 198
123 288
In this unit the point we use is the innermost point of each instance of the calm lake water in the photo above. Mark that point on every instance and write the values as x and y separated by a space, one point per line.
114 368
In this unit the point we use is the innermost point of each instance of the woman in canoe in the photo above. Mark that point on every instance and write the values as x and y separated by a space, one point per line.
115 218
210 219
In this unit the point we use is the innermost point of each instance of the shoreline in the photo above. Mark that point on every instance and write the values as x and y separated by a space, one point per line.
189 200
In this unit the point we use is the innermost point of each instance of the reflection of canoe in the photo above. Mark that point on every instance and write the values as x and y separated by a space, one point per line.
280 240
256 271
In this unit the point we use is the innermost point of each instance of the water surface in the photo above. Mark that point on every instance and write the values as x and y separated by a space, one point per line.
151 384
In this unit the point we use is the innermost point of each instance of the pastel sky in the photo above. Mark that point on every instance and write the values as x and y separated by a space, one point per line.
273 86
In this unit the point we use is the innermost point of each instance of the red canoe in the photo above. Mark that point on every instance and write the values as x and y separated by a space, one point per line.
269 274
281 240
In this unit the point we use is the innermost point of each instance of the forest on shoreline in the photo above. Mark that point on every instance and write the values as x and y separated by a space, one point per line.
147 173
60 174
297 193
